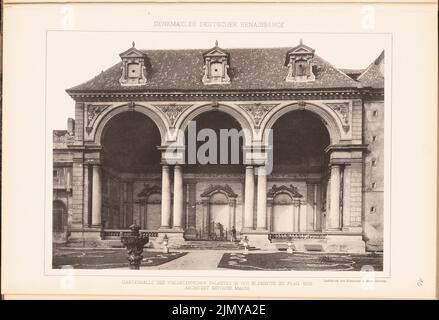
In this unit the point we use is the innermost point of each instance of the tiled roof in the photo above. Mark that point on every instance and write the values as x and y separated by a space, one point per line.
250 69
353 73
373 75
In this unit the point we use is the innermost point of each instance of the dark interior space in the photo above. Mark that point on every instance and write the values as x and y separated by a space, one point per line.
299 141
216 120
130 143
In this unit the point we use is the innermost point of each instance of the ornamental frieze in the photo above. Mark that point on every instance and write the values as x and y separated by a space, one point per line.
93 111
257 111
172 111
343 111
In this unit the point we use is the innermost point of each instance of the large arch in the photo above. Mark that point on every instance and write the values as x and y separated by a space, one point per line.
129 143
105 117
224 158
299 142
235 113
328 117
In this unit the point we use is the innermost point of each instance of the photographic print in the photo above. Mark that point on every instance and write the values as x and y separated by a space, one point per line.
215 157
219 150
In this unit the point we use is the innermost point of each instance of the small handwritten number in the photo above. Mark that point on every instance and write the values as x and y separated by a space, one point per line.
420 282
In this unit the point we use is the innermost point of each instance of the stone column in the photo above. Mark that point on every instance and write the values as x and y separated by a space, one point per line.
333 218
346 196
191 222
296 215
261 222
205 223
85 219
78 193
249 198
310 207
96 211
166 198
232 213
270 214
178 198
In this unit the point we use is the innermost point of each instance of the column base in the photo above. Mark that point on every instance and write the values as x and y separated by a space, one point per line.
257 238
190 233
175 238
85 238
351 243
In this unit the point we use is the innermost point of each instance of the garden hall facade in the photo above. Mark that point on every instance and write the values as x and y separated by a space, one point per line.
113 166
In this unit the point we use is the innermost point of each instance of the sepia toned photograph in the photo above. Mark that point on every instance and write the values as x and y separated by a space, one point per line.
219 151
209 156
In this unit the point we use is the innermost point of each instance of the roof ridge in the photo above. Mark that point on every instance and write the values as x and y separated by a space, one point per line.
203 49
374 62
94 77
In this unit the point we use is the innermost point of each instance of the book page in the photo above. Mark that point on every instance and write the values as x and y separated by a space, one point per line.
246 150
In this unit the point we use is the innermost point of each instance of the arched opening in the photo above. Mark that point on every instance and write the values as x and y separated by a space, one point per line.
214 142
59 218
299 157
130 159
299 142
214 154
130 141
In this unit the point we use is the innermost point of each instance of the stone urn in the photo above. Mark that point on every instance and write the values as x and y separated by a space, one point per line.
134 242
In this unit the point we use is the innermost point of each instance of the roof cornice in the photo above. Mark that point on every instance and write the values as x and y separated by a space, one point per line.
227 95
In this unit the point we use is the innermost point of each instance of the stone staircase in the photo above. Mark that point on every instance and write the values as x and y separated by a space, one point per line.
187 245
301 245
213 245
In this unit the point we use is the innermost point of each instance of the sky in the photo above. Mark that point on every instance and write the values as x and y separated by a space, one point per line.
75 57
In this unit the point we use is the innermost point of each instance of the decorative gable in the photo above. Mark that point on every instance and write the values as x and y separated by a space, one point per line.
298 60
133 67
216 65
224 189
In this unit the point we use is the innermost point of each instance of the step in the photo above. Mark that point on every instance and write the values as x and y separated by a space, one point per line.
215 245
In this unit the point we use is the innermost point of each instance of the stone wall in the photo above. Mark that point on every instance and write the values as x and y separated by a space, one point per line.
373 191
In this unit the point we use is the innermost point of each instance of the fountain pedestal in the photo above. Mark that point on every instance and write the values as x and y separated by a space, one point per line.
134 242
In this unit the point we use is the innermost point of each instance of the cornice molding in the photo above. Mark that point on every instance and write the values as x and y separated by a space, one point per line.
232 95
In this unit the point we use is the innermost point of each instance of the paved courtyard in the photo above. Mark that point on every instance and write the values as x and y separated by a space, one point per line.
217 259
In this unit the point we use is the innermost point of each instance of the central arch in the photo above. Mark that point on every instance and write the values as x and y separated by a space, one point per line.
215 121
241 117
